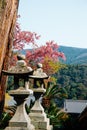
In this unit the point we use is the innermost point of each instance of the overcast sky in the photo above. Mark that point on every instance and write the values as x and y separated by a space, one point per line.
64 21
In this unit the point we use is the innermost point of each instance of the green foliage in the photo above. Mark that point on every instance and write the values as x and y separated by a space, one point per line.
73 79
56 115
55 93
7 114
4 119
51 91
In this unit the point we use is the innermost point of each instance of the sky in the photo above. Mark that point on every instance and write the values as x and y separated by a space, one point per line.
63 21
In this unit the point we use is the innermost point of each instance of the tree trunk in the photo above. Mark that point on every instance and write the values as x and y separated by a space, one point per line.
8 13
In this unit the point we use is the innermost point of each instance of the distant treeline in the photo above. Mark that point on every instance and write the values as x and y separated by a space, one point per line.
73 78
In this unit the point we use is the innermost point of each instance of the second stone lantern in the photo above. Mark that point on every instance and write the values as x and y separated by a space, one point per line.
37 115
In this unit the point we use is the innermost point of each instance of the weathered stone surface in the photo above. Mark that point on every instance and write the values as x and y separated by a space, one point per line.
37 115
20 119
17 128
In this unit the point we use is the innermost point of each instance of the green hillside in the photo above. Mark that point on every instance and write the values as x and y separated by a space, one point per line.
74 55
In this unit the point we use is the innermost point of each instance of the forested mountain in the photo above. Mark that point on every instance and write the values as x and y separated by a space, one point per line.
74 79
74 55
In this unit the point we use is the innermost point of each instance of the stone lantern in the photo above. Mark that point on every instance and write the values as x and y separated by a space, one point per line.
20 120
37 115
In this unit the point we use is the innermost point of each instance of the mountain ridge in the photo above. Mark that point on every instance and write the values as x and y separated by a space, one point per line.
73 55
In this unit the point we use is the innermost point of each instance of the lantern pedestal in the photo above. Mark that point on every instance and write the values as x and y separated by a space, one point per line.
20 120
37 114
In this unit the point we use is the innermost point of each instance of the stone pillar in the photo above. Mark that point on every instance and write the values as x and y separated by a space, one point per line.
20 120
37 114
